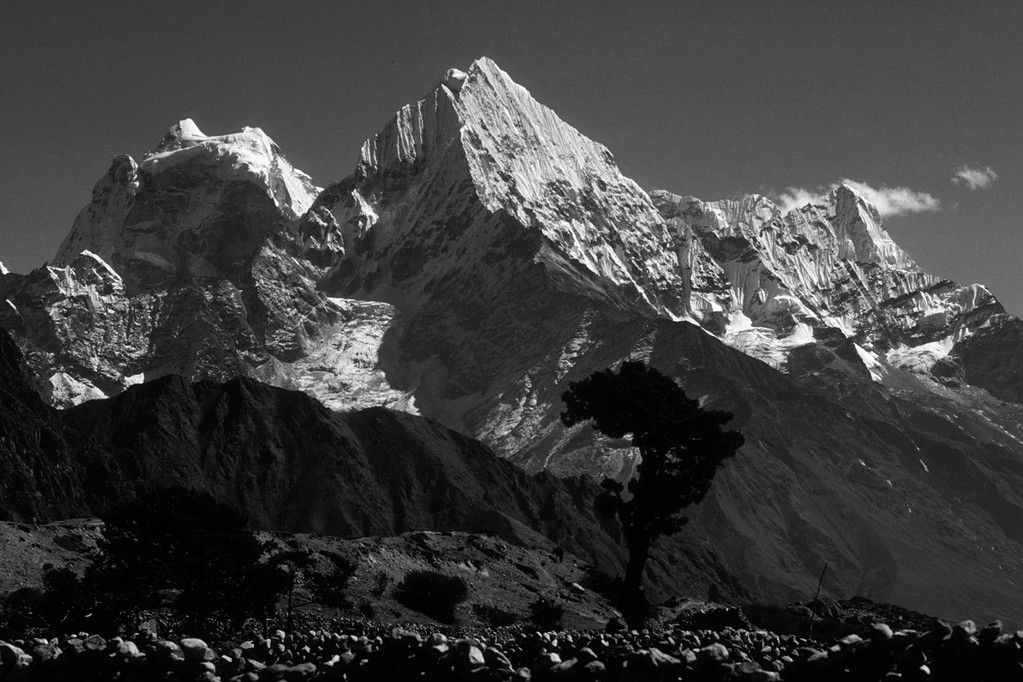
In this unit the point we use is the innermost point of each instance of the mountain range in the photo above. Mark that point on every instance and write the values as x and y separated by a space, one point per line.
482 255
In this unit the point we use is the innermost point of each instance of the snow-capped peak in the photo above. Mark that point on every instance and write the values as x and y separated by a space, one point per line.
454 79
180 134
522 159
148 215
249 155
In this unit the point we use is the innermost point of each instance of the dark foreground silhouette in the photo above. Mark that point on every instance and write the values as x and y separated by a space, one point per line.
354 650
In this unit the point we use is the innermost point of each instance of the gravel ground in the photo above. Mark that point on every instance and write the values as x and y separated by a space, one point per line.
356 650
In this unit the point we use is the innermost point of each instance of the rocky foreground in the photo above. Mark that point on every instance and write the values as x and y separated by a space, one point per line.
363 651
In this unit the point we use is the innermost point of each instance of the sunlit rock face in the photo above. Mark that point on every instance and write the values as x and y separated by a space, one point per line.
171 269
196 207
828 268
454 181
484 254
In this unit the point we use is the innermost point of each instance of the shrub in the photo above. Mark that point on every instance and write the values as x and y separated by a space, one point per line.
715 618
178 548
382 581
795 619
432 593
20 614
494 616
60 604
546 613
330 588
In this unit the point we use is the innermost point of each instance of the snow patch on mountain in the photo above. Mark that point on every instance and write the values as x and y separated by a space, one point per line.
342 370
454 79
920 359
876 369
68 390
246 156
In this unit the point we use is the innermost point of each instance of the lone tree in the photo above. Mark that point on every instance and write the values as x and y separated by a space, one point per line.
680 444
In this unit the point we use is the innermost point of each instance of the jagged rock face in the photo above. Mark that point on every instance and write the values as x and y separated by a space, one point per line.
82 333
197 206
497 168
484 254
171 270
767 283
483 218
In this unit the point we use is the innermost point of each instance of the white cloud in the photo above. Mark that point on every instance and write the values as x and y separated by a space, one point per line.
795 197
890 201
974 178
895 200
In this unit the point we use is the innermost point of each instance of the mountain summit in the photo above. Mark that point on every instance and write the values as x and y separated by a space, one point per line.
483 254
509 171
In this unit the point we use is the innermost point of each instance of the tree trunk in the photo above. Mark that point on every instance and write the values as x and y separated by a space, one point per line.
291 596
639 552
634 602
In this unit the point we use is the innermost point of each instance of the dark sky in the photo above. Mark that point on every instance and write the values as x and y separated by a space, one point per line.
712 99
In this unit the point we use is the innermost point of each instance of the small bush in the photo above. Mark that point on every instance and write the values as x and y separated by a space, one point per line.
494 616
21 614
432 593
382 581
715 618
330 587
795 619
546 613
367 609
61 603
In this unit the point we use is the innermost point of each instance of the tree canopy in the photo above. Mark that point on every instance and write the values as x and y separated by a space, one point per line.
681 445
